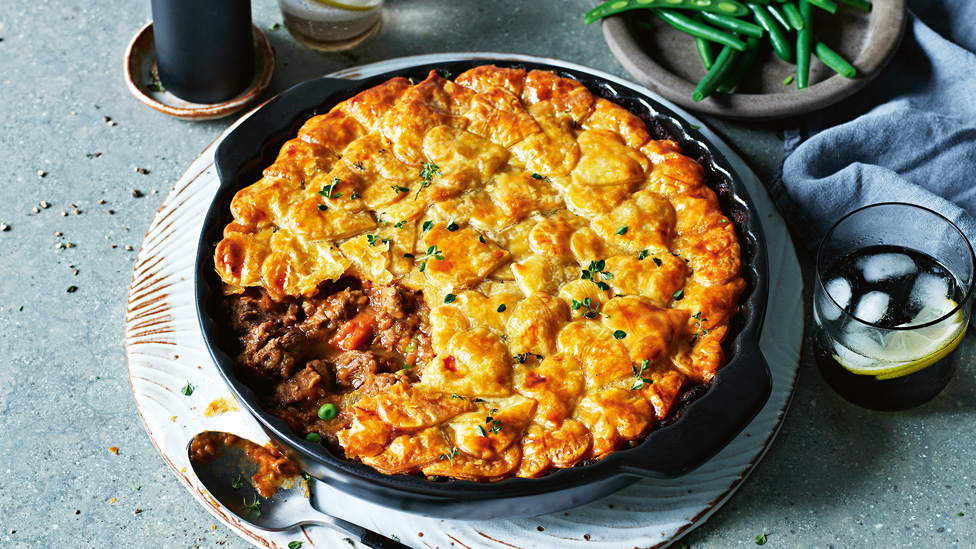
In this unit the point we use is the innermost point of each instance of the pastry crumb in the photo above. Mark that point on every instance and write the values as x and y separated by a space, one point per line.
220 406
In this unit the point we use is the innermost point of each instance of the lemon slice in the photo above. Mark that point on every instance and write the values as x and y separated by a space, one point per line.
907 351
351 5
913 367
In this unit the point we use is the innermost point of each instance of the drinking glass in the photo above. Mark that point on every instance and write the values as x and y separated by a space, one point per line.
204 49
892 301
331 25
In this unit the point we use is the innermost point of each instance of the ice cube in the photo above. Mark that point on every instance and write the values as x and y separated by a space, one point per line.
858 349
872 307
930 296
929 289
865 341
885 266
840 290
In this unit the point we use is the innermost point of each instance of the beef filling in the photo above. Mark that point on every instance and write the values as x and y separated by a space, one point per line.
350 340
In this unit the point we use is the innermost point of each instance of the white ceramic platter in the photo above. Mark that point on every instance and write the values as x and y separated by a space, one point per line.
165 350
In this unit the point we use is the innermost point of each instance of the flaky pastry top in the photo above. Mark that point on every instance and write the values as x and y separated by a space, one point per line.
580 275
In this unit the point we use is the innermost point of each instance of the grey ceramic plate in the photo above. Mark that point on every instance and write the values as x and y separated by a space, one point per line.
666 61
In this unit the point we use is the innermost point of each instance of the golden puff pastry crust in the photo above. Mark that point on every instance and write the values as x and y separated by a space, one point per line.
577 275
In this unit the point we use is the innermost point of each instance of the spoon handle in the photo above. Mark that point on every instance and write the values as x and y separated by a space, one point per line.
368 538
377 541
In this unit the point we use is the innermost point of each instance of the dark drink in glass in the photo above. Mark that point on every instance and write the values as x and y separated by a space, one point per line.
892 302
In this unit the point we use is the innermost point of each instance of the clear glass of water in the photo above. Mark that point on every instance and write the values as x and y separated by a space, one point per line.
891 303
331 25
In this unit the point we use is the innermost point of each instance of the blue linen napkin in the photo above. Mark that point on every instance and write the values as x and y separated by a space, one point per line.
909 136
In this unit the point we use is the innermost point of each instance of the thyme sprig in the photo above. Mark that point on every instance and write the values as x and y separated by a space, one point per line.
328 191
640 381
427 176
594 269
449 456
432 253
495 425
254 506
699 331
373 240
589 309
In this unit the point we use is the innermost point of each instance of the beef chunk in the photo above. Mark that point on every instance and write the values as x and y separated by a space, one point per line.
307 386
324 315
354 368
274 354
246 313
386 300
324 369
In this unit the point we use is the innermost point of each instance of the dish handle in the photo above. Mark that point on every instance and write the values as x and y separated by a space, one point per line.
740 391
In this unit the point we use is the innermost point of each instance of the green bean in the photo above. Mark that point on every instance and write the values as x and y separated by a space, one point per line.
723 64
613 7
705 52
779 15
827 5
694 28
859 4
776 36
833 60
741 65
793 15
804 41
731 23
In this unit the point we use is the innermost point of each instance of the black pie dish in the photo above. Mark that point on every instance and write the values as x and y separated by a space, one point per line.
704 422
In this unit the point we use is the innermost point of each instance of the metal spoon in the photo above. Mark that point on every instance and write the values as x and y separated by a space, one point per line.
289 508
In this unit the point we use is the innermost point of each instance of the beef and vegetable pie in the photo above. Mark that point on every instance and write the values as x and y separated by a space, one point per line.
477 279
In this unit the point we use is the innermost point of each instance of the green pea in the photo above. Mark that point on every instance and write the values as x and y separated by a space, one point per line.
313 437
328 411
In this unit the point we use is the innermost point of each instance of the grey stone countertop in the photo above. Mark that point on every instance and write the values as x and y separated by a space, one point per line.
72 137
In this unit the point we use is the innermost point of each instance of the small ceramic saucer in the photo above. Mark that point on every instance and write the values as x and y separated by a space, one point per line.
140 62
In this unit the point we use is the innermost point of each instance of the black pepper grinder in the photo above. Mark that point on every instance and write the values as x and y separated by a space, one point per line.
204 48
